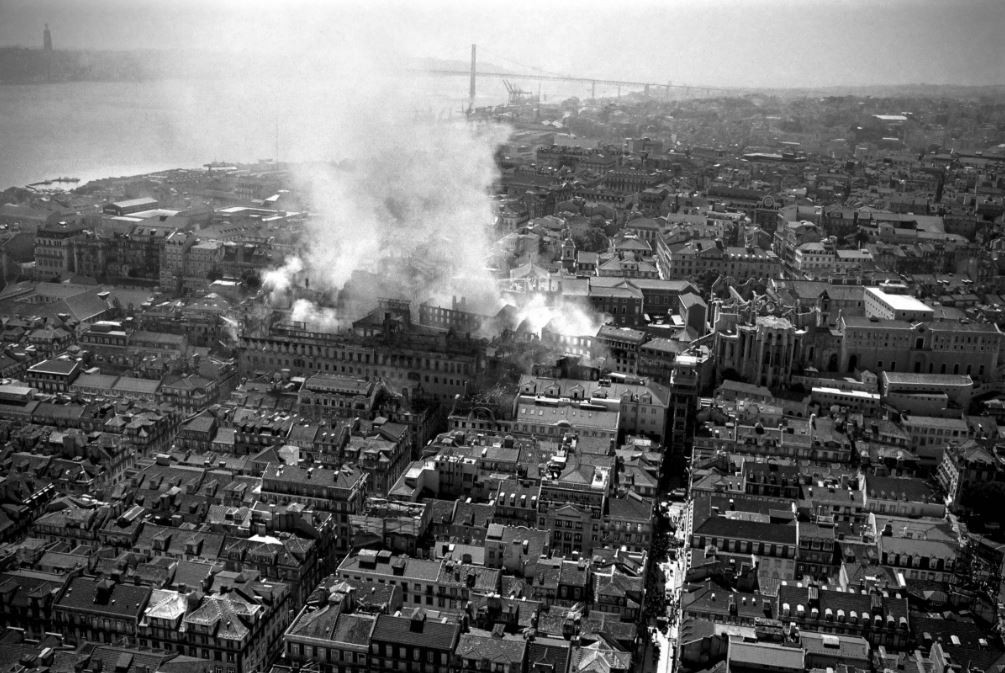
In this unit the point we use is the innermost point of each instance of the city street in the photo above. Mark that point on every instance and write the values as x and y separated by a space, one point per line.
673 573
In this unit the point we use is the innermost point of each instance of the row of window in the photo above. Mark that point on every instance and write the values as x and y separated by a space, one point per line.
432 364
343 369
748 547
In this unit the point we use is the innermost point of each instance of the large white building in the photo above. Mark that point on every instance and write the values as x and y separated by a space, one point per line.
886 306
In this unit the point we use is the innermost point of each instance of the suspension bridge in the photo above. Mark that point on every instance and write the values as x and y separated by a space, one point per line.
653 89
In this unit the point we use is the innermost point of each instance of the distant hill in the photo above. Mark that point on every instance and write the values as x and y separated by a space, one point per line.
892 91
19 65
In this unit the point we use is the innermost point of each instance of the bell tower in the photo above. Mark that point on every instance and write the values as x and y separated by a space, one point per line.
568 252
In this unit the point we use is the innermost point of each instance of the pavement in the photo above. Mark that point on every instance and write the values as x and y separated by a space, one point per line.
664 664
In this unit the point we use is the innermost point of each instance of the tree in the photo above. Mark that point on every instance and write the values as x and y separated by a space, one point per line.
593 240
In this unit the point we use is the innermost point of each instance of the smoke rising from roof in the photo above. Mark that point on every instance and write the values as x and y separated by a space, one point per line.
402 209
396 179
279 281
408 211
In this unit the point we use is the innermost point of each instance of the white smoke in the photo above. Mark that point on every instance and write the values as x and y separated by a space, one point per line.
409 210
562 316
278 282
319 318
398 194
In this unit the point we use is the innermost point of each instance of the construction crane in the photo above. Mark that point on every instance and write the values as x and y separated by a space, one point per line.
518 95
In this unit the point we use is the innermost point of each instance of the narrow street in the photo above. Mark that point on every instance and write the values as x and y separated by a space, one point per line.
673 573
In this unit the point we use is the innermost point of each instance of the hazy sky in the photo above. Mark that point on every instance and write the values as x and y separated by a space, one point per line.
774 43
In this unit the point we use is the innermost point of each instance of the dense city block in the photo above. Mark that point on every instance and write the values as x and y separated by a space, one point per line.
733 406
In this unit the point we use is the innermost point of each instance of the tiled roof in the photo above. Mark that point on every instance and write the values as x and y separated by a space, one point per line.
916 490
721 526
55 366
630 509
473 514
347 478
26 584
354 629
766 655
616 584
106 381
437 635
574 573
415 569
848 601
834 646
131 660
506 650
86 594
225 614
316 623
165 604
609 626
484 579
601 658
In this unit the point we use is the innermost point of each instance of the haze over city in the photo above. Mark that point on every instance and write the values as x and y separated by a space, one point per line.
763 43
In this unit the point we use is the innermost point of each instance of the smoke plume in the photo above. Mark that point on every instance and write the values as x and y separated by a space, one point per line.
562 316
320 318
278 282
407 214
398 193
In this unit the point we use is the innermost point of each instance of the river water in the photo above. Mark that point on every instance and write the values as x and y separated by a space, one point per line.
90 130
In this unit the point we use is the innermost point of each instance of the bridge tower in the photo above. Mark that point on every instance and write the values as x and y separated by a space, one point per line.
47 51
471 92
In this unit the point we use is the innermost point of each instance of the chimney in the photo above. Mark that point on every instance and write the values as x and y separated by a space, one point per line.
417 621
103 592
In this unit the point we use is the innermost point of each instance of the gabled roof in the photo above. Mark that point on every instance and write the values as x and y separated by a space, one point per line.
599 657
507 650
225 614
